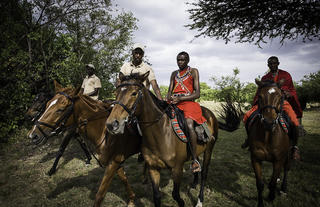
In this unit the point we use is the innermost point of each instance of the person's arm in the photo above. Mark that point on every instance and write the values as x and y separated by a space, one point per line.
196 89
156 89
171 85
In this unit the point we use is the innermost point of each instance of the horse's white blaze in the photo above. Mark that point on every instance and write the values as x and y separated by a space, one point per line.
123 88
199 204
31 132
271 90
51 104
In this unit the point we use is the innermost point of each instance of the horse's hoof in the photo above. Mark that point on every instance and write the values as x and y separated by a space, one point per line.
131 204
199 204
283 193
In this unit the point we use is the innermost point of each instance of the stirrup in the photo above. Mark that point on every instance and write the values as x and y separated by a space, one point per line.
197 169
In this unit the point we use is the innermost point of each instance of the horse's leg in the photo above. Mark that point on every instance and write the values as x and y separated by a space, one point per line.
145 173
66 139
85 149
273 182
257 165
122 175
106 180
176 176
155 180
285 174
195 180
204 172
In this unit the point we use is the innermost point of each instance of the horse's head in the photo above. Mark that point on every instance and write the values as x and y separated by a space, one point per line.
128 102
270 100
56 114
38 106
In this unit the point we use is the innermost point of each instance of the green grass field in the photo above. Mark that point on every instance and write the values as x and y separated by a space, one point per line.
231 182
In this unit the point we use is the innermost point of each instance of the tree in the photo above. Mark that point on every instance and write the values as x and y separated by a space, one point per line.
206 92
230 89
46 40
309 91
254 21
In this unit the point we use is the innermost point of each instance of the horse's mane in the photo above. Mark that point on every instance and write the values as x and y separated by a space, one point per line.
162 105
95 105
132 76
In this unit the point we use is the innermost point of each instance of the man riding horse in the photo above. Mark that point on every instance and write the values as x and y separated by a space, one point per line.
291 105
184 88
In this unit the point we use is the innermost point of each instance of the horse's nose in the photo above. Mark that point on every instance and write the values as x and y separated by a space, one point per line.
113 126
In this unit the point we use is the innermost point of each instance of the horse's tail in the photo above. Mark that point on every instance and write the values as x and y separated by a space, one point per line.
232 117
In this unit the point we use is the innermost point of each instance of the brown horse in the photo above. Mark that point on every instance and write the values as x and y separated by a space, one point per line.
267 139
34 112
68 109
160 146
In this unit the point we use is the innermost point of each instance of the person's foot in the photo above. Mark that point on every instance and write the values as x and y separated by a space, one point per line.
245 144
296 153
195 166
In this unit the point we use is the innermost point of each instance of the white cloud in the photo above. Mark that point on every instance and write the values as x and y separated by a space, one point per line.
161 29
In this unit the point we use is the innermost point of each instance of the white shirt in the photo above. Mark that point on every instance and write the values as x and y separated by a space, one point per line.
129 68
89 84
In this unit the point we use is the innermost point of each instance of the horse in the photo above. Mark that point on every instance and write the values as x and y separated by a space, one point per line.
268 141
69 109
34 112
160 146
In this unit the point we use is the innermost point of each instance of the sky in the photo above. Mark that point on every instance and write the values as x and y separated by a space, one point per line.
161 28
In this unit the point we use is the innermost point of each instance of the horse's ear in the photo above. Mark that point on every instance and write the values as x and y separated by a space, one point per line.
57 86
121 76
281 82
258 82
144 77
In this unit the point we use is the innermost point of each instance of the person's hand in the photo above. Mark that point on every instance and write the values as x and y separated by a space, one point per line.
287 94
175 99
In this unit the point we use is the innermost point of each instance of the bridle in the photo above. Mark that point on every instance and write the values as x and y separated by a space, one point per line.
270 126
60 124
131 119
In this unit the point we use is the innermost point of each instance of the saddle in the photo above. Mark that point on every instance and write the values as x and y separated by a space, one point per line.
179 125
284 121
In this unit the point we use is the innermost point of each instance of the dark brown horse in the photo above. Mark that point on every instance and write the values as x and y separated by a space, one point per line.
160 146
72 110
34 112
268 141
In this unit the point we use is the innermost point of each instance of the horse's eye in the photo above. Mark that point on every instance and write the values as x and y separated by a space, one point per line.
134 94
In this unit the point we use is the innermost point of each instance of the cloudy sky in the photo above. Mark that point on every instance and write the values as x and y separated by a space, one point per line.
162 31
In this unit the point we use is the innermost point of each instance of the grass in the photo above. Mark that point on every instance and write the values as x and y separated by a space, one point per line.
231 183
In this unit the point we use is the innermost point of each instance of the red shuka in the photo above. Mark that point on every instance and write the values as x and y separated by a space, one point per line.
286 86
183 84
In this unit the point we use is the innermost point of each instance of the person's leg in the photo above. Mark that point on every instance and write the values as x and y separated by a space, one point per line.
295 134
193 145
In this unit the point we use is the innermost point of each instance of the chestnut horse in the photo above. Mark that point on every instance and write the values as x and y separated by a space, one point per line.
160 146
68 109
268 141
34 112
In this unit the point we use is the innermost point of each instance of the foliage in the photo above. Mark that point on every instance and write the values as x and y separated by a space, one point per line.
207 93
308 91
254 21
46 40
229 88
164 91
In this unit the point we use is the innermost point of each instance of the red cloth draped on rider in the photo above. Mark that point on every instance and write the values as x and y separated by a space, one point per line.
291 106
183 84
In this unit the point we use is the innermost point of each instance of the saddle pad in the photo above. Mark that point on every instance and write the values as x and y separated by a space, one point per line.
177 129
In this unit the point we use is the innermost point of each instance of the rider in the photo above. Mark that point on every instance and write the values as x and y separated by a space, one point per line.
139 66
91 83
291 105
184 88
